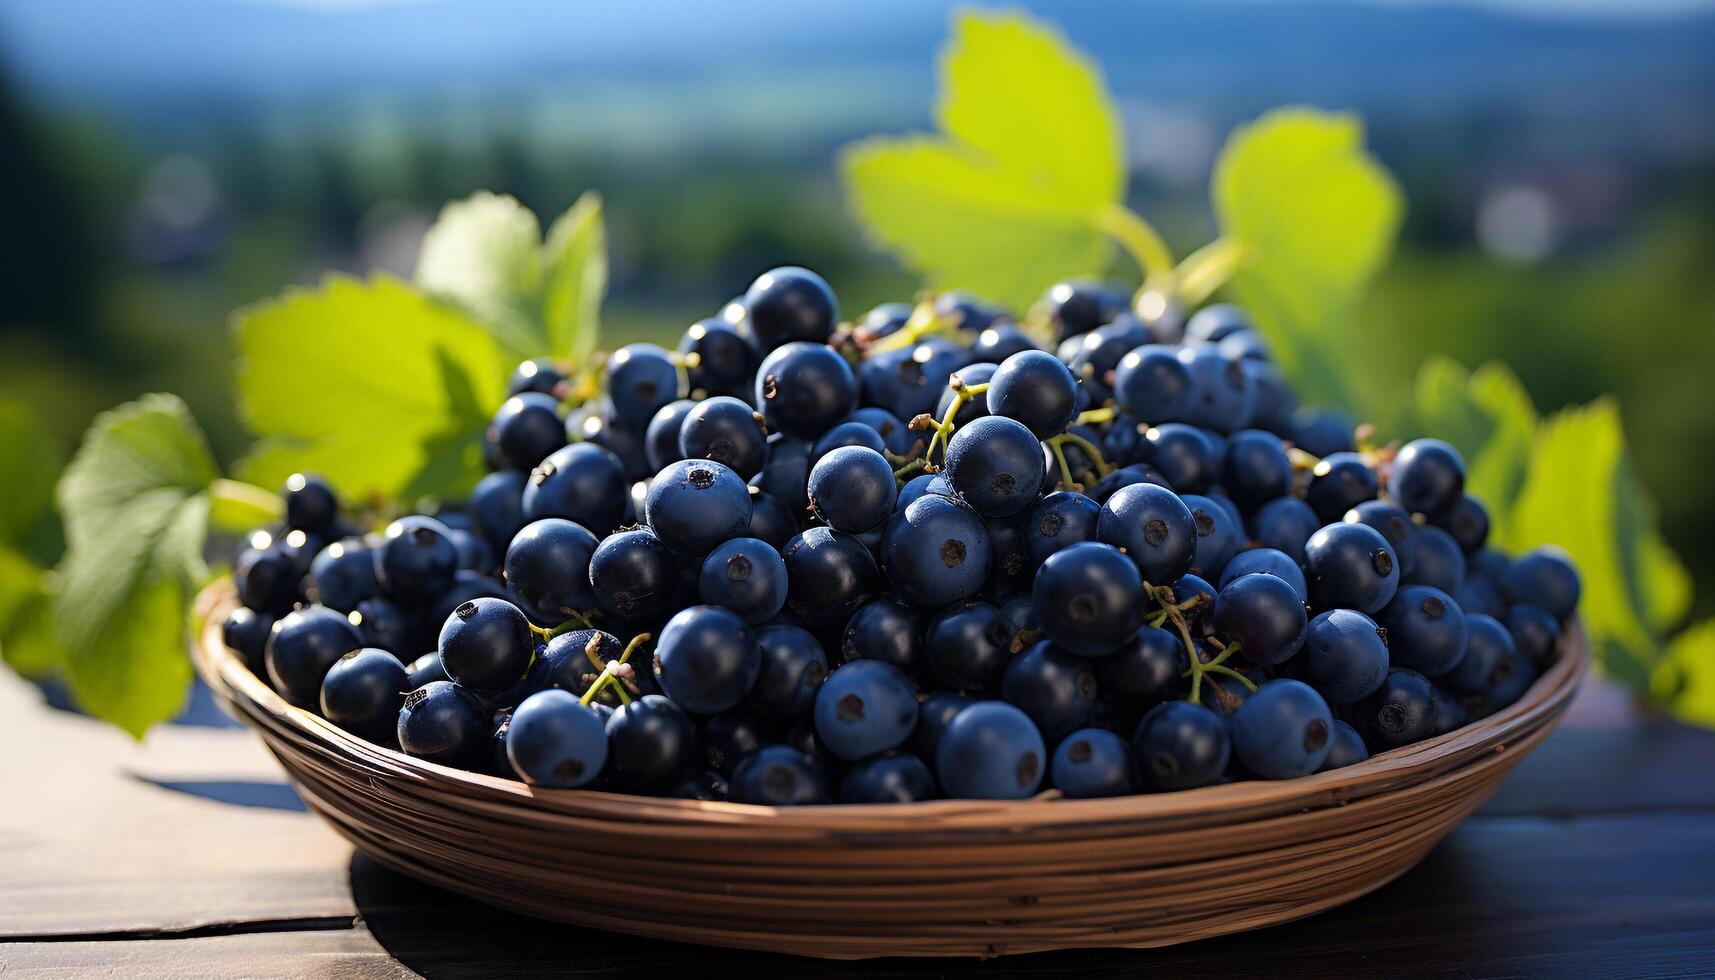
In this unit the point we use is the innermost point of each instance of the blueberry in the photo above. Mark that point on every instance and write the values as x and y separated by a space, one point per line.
976 406
1088 599
640 379
1426 630
1466 520
539 374
311 504
1351 566
805 389
995 465
726 359
1220 534
303 645
706 659
486 645
1394 524
1215 323
632 575
1057 689
1092 763
1401 711
791 670
661 437
524 431
791 304
1427 476
651 746
1535 633
887 630
1282 730
891 778
363 692
935 552
777 775
442 722
1180 745
1544 578
555 741
1284 524
1256 468
1153 527
1151 384
1034 388
695 504
1267 561
1338 483
852 489
726 430
1345 747
1265 615
1059 520
829 575
746 576
547 567
863 708
1438 560
968 645
1223 394
497 506
1000 341
583 483
1345 655
990 750
246 632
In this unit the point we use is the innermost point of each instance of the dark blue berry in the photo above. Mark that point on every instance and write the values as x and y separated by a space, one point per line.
486 645
1544 578
1088 599
1283 730
829 575
444 723
363 692
1426 630
1345 655
1153 527
1427 476
1350 566
553 740
1092 763
640 379
1152 385
583 483
777 775
706 659
632 575
968 644
304 644
651 746
791 304
805 389
935 552
547 567
793 666
1180 745
995 465
746 576
1057 689
852 489
525 430
695 504
865 707
726 359
892 778
1036 389
1264 615
990 750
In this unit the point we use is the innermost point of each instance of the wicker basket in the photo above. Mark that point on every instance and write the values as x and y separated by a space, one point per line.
948 878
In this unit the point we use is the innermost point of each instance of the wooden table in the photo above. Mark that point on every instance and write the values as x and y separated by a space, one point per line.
188 855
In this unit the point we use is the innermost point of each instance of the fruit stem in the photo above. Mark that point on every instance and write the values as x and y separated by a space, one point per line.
922 322
962 393
1066 481
1103 467
1136 236
240 507
1207 270
1095 416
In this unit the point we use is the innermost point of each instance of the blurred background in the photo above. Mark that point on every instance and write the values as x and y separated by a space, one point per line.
164 161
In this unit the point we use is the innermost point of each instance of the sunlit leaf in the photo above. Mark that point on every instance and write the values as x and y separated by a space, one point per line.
574 280
135 504
1489 417
1009 197
371 384
1315 217
1685 678
485 252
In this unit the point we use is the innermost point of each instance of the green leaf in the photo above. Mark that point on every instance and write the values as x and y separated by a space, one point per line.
575 279
371 384
1011 197
1572 498
484 252
1315 217
135 505
1659 582
31 462
1685 678
1489 417
27 642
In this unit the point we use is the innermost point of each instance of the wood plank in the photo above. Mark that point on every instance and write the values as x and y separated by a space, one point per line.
99 833
1504 896
345 953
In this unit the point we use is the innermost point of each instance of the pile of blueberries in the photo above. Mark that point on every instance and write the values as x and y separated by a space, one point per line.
920 555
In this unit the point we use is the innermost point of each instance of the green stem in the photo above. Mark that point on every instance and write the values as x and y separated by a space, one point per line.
1095 416
1136 236
962 393
1066 481
1207 270
1103 467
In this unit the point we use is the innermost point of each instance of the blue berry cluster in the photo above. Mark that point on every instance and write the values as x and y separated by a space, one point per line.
935 552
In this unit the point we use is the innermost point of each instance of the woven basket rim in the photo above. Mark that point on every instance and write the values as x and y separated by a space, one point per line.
261 707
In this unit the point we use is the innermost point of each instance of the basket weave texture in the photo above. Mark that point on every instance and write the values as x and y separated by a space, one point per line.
945 878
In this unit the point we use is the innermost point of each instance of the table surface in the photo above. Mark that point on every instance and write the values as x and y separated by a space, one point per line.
189 855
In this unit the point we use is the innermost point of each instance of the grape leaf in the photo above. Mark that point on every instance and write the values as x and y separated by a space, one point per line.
382 390
1572 498
31 462
1010 197
1685 678
1314 217
1489 417
486 254
135 505
1659 582
575 279
27 642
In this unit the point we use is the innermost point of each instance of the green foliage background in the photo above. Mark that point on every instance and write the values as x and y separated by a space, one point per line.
1022 183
